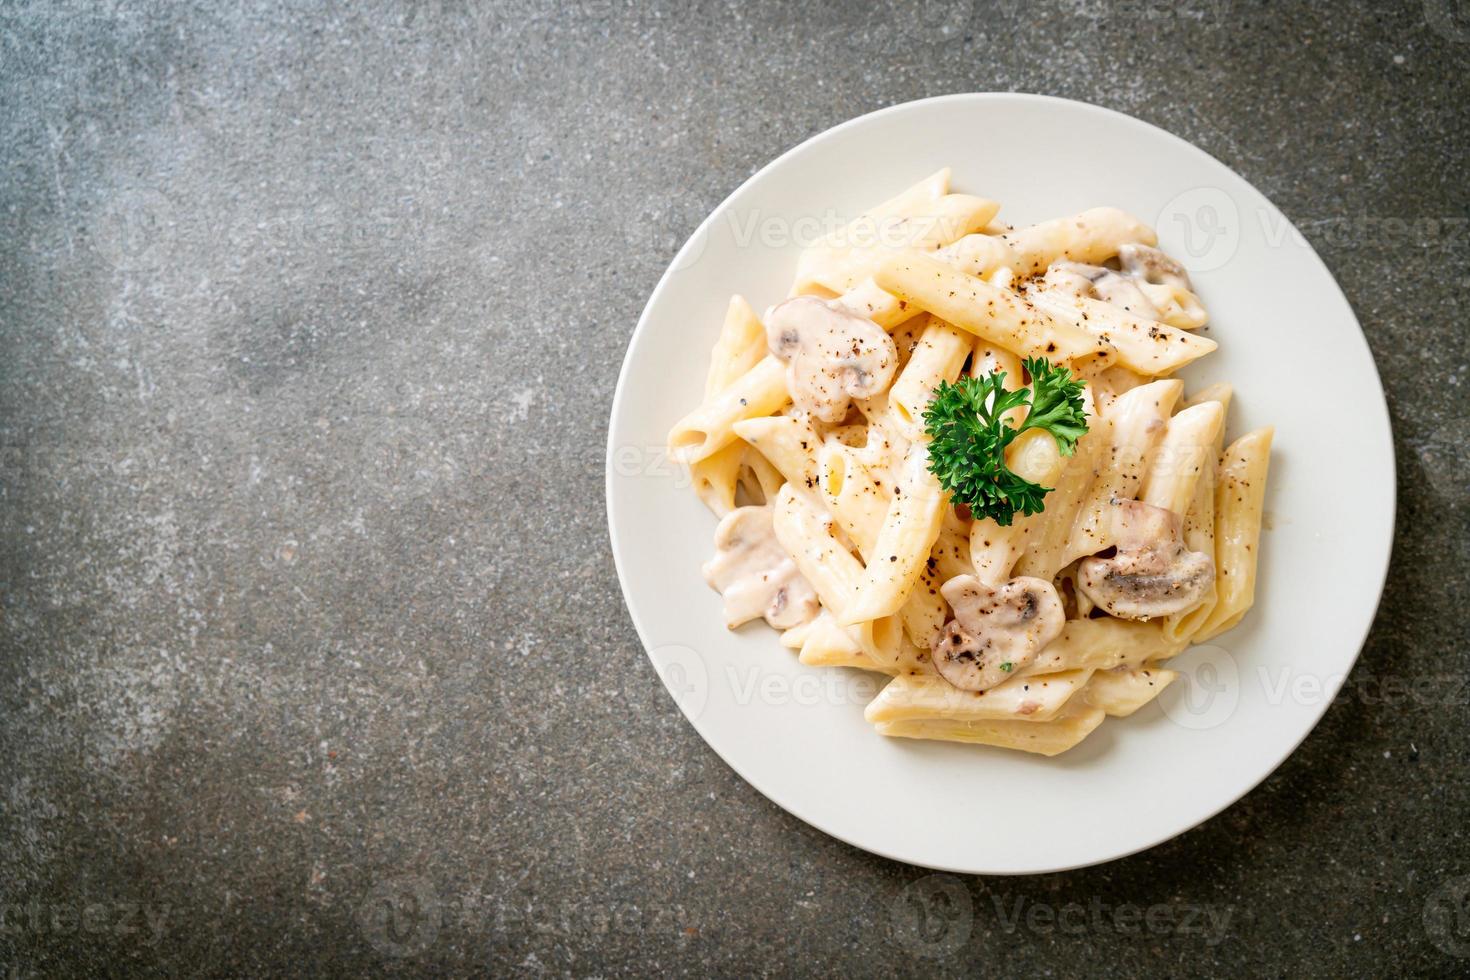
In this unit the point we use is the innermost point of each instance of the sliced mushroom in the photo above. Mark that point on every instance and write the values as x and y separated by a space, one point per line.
832 356
755 575
996 631
1152 266
1096 282
1152 573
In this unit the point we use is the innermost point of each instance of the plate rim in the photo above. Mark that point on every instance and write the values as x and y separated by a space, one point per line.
1386 547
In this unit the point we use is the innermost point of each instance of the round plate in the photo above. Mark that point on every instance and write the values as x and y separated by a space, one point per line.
1290 345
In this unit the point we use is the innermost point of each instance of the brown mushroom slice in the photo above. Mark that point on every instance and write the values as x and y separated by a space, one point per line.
755 575
1096 282
996 630
832 356
1152 574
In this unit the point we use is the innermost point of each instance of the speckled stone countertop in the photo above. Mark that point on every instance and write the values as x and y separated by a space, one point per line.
312 656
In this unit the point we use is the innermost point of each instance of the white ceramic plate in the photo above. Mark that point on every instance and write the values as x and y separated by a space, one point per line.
1288 342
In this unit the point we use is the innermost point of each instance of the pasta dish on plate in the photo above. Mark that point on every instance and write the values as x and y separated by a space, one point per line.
955 454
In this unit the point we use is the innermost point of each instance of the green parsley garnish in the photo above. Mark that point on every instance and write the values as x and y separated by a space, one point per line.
1007 666
966 423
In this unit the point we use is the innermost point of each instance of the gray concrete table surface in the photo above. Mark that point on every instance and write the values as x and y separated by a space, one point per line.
312 655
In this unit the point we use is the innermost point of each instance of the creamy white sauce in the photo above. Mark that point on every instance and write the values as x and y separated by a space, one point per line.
1148 265
756 577
1147 283
1097 282
832 356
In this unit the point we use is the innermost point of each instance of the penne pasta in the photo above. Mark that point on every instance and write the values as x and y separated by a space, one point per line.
1131 429
1145 346
910 697
1239 500
996 315
845 263
1187 446
1199 520
833 572
1104 644
904 542
1044 738
1130 530
1121 692
939 355
789 443
711 427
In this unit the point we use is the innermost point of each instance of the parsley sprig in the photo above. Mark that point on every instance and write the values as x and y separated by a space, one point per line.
969 434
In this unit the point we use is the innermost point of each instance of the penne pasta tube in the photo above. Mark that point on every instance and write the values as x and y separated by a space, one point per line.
915 199
805 534
1103 644
1187 447
1131 428
710 427
852 497
938 355
793 638
740 347
789 443
903 545
1092 236
1239 499
866 227
1141 345
714 478
1123 691
927 695
844 263
759 475
860 506
997 315
1199 520
1074 724
831 645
